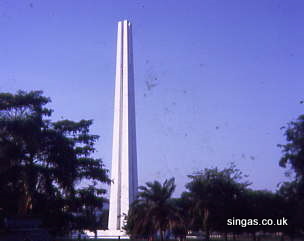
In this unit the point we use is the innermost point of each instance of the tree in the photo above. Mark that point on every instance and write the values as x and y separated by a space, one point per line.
137 224
181 219
293 192
152 211
87 203
292 208
213 194
259 205
293 151
42 162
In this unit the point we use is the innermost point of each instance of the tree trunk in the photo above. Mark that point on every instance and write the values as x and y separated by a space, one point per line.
25 202
206 225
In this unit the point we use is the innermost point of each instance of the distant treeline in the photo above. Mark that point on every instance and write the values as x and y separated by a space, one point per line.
220 202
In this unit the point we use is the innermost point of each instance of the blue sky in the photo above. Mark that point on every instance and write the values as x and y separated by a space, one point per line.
226 75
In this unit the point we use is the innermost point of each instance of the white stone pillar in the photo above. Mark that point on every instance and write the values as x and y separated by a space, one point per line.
124 154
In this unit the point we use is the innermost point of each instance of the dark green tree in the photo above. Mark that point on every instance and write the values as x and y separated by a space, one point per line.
153 211
87 203
181 219
138 226
293 151
292 208
42 162
214 195
293 158
259 205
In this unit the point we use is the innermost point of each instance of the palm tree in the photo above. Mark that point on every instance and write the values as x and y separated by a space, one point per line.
137 226
180 219
152 211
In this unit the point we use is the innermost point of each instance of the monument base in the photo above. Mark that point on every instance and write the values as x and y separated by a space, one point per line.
108 234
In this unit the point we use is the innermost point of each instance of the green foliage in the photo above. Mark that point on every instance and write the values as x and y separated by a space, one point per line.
292 208
180 221
293 192
42 161
152 212
214 195
293 151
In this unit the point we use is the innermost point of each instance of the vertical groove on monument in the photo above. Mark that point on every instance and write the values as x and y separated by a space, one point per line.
124 154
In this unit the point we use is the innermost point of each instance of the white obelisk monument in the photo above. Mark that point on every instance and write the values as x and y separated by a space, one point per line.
124 157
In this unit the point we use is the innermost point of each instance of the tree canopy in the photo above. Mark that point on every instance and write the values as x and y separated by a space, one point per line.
214 195
292 192
216 202
152 212
293 151
42 162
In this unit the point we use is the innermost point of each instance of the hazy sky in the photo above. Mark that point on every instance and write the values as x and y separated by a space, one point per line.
214 80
